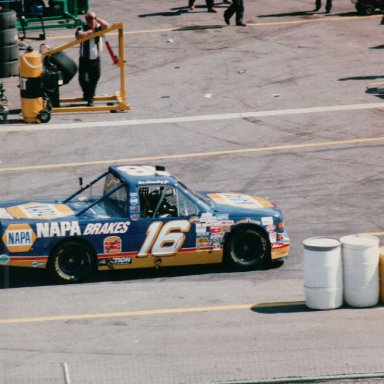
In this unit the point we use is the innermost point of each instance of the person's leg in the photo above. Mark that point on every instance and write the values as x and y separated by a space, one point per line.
191 4
328 6
228 13
94 76
239 12
210 5
318 5
84 78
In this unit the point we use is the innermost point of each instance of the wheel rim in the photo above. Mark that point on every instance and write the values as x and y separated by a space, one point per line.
247 248
73 263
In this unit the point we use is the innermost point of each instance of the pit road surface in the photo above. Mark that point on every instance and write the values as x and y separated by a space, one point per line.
282 108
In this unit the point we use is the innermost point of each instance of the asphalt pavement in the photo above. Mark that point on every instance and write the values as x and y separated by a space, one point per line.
287 108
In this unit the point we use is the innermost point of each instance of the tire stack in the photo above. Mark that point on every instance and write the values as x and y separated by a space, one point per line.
9 53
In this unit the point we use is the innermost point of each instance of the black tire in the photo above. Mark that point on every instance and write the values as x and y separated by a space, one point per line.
9 53
44 116
4 115
7 19
65 64
9 69
71 262
369 10
8 37
247 248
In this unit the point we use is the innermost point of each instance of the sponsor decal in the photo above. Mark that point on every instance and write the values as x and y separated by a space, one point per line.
142 170
202 242
4 259
216 240
19 237
270 228
267 220
134 201
115 261
134 217
240 200
215 229
38 264
135 208
106 228
58 229
248 221
201 229
207 217
112 244
40 211
72 228
272 237
153 182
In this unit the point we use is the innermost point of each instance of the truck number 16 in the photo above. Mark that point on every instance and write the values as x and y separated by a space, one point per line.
164 240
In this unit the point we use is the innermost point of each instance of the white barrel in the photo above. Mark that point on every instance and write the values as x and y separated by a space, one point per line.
381 273
323 275
360 254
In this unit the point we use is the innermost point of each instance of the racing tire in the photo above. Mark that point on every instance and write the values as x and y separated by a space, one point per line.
247 248
7 19
9 69
369 10
4 115
71 262
9 53
8 37
65 64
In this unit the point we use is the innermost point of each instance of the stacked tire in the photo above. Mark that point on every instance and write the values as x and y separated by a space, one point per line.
9 53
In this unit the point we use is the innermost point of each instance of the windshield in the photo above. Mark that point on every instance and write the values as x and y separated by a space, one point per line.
107 191
195 195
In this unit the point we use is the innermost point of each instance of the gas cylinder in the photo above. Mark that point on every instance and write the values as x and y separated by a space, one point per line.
32 102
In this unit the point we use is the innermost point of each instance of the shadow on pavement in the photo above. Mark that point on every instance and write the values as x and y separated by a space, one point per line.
309 13
371 77
11 277
288 307
177 12
199 27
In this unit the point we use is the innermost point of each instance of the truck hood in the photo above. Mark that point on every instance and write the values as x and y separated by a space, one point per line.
39 210
228 202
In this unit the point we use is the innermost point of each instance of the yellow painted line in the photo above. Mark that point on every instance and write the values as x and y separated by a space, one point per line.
90 316
379 234
286 147
266 24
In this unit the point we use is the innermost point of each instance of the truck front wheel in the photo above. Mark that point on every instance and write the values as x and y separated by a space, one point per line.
71 262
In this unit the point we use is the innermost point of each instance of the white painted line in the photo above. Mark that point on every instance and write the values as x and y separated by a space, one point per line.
190 119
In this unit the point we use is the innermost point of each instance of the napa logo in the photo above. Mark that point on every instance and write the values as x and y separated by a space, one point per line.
19 237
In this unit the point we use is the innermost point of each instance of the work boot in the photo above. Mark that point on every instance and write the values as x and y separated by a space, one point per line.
212 10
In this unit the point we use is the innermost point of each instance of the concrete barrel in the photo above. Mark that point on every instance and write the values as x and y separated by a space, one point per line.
360 254
323 276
